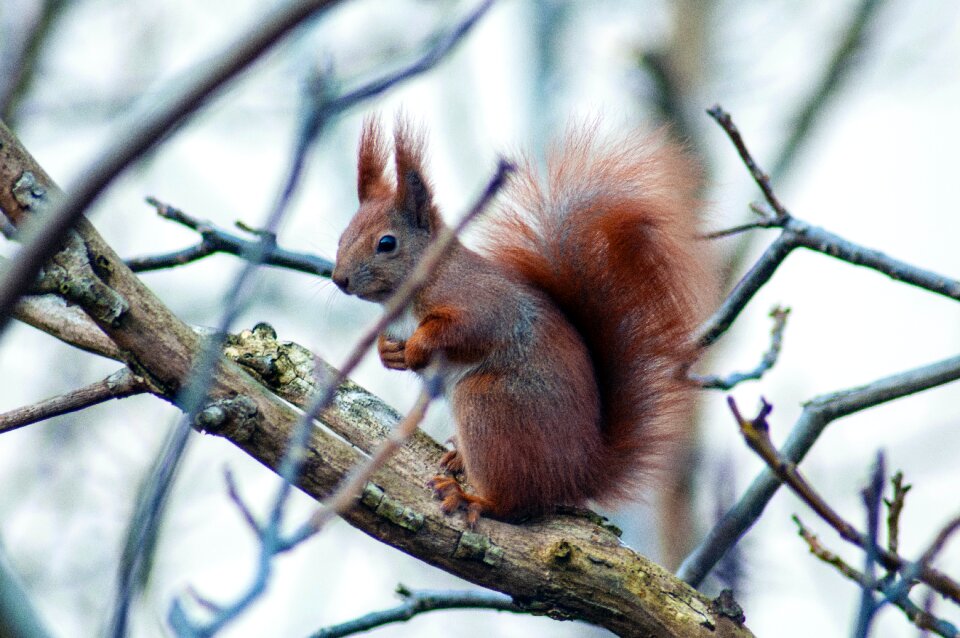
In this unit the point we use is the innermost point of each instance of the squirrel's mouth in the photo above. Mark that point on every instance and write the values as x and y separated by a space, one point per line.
378 295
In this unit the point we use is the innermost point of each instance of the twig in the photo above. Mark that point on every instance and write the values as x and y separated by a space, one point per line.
756 434
816 415
761 178
796 233
122 383
894 509
872 495
825 555
715 382
416 602
233 491
42 240
444 45
922 617
217 240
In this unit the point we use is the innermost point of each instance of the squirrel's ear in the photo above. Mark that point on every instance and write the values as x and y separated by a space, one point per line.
371 160
414 195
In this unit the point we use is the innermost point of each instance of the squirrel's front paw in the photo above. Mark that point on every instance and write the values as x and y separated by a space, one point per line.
392 353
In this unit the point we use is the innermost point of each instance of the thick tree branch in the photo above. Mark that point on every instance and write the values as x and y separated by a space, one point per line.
68 323
561 565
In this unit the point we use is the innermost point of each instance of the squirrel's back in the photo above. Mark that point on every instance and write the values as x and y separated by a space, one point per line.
610 235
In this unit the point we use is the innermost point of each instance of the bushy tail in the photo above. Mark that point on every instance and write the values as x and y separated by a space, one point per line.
610 236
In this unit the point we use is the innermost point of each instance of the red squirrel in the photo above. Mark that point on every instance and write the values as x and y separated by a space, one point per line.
563 338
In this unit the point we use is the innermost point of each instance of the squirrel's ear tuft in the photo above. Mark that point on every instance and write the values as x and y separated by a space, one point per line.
371 160
414 195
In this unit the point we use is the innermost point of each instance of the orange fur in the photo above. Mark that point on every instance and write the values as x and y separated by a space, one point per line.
565 336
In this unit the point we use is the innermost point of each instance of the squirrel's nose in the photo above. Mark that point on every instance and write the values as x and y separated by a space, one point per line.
341 280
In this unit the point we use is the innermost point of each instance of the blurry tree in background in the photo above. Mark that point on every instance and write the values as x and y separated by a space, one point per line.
846 105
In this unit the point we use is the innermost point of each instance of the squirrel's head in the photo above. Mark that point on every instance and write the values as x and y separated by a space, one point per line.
394 223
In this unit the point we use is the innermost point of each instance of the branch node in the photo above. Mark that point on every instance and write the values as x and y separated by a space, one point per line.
235 418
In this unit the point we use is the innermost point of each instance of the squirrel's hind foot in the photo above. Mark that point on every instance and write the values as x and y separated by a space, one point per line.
453 497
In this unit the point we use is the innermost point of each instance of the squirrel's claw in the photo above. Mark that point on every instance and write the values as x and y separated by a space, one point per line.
453 497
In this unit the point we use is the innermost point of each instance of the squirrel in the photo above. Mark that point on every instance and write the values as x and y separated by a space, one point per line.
564 338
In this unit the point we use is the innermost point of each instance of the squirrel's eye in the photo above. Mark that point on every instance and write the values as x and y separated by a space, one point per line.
387 244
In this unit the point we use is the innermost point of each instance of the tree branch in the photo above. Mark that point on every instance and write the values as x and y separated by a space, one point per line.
715 382
119 385
817 414
217 240
920 617
795 233
416 602
756 433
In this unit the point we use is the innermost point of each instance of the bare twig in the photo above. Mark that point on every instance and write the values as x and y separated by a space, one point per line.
824 554
894 509
217 240
872 495
42 239
817 414
756 434
122 383
715 382
233 491
416 602
796 233
922 617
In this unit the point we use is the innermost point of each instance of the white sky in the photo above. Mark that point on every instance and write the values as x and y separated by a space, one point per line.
880 170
